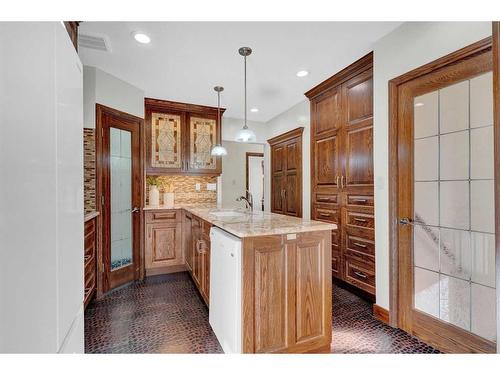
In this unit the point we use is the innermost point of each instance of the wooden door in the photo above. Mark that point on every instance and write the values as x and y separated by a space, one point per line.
119 188
442 114
286 173
163 245
203 133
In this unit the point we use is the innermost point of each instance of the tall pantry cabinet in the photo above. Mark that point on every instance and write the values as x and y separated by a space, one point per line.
342 169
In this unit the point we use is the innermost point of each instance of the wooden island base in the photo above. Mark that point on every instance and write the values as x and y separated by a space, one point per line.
287 293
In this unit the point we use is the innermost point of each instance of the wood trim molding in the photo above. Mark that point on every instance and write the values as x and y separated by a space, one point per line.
285 136
381 314
445 61
181 107
496 130
364 63
247 156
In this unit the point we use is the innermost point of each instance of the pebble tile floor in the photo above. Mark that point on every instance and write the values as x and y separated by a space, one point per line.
165 314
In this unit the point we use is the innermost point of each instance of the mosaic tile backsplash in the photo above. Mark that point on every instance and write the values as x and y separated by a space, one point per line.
185 189
89 172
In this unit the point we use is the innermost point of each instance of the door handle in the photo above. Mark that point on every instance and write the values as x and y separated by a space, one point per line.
135 209
342 181
405 221
337 180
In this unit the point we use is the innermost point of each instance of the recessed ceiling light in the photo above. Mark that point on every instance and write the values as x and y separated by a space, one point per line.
302 73
141 37
419 104
254 110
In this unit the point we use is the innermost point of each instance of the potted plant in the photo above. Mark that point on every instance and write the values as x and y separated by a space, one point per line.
154 193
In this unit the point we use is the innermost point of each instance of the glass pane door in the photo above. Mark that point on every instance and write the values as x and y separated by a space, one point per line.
121 197
453 238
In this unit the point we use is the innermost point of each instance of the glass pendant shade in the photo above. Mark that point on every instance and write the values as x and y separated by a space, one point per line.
245 135
219 150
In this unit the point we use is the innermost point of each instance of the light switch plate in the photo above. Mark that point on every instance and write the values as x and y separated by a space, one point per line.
211 186
198 186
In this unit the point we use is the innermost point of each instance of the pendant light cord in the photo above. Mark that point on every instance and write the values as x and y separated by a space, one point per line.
245 127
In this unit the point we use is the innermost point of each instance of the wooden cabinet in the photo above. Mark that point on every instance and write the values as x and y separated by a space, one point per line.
287 301
90 260
200 250
163 241
179 138
286 173
342 169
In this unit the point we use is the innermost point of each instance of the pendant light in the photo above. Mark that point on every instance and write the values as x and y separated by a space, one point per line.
245 134
218 149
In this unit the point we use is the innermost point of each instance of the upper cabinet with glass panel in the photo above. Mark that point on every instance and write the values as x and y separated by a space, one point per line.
179 138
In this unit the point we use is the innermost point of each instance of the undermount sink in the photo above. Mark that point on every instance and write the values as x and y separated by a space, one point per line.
227 213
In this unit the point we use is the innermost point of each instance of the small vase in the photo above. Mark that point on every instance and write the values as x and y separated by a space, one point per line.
168 200
154 196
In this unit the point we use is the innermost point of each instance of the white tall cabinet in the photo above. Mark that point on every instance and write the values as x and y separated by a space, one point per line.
41 190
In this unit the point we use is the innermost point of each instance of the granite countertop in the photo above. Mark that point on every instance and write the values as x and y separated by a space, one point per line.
90 215
244 223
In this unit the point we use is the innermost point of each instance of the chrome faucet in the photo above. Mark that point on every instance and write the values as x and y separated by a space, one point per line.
248 200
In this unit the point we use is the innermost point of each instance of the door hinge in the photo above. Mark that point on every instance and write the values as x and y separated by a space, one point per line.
102 133
102 200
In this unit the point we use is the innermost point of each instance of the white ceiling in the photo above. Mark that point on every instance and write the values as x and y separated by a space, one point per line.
185 60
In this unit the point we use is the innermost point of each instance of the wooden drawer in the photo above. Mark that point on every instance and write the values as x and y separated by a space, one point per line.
360 200
163 216
327 198
360 245
360 274
89 268
360 219
326 214
89 226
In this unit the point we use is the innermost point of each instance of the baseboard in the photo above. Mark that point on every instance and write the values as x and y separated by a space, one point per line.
165 270
381 314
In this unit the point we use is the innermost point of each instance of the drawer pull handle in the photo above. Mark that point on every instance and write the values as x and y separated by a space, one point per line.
360 274
360 220
324 215
360 200
323 199
359 245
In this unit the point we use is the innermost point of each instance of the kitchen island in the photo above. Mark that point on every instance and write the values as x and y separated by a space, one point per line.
285 273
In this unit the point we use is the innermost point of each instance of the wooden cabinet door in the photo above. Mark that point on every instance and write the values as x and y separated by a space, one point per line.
277 175
163 245
203 133
357 150
205 268
164 141
188 241
286 173
293 177
197 260
326 113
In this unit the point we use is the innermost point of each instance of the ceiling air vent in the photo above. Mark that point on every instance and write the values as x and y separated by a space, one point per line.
93 42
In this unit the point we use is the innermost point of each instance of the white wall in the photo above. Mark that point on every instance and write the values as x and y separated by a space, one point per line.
233 178
411 45
103 88
41 190
296 116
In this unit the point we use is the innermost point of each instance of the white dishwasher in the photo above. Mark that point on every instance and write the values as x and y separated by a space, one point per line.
225 289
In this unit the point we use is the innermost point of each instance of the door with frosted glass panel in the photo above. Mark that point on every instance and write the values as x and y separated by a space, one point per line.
446 207
121 203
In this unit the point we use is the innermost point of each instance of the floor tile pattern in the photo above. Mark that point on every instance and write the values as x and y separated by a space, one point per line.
165 314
